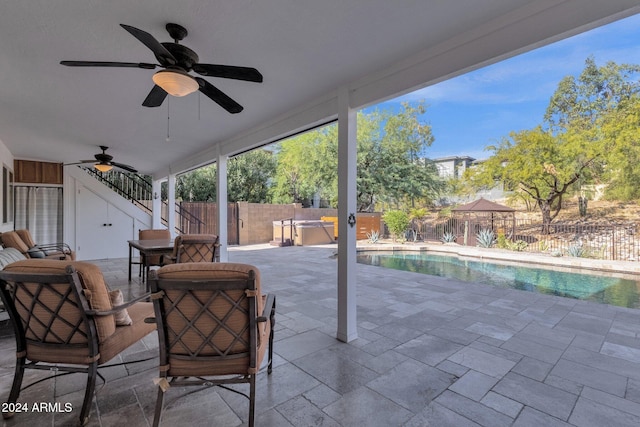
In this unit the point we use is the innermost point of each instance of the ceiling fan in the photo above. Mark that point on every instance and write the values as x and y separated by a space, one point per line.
104 162
177 61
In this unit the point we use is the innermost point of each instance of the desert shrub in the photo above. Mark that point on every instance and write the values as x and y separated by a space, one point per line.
518 245
397 221
502 241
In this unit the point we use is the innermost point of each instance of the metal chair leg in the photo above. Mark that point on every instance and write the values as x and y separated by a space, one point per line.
252 400
92 371
158 412
272 319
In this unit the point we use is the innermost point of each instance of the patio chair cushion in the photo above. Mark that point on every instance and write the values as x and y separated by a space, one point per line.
22 240
9 255
122 317
197 248
11 239
204 271
26 237
91 279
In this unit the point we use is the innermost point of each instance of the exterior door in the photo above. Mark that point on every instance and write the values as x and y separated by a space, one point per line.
102 230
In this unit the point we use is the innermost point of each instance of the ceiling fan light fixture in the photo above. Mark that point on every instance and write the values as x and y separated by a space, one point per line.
176 82
103 167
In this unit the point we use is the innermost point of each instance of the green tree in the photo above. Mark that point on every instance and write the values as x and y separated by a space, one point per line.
603 101
591 126
391 168
397 222
249 176
392 165
622 174
543 166
248 179
198 185
596 91
306 165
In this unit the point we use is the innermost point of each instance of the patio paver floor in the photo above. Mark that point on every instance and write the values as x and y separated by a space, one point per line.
430 352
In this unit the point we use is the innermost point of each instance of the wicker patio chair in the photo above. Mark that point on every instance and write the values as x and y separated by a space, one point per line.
152 260
214 326
63 318
23 241
193 248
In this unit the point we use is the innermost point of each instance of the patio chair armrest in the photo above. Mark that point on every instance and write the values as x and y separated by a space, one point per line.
269 309
167 259
62 247
120 307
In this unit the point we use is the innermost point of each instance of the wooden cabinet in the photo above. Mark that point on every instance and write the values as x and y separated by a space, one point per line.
33 172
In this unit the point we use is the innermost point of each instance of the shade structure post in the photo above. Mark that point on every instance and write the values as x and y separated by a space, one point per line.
347 197
221 194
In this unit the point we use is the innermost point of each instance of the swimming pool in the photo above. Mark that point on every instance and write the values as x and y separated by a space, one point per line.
605 289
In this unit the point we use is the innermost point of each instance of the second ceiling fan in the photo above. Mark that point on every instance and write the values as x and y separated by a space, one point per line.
177 61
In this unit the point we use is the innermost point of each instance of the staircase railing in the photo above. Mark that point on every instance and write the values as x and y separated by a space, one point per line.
132 186
138 190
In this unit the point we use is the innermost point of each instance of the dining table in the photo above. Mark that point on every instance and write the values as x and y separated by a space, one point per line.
149 247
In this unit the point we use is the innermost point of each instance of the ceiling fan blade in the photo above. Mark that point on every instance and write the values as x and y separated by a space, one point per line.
125 167
228 72
108 64
161 52
80 162
155 98
218 96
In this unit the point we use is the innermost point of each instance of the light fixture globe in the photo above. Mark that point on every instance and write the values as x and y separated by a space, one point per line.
103 167
175 82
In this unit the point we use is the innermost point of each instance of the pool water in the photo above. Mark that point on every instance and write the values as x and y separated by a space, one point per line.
603 289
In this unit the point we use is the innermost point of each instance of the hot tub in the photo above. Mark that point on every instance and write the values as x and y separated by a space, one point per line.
303 232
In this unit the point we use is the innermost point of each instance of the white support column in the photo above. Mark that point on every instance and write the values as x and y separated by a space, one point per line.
156 207
347 164
171 204
221 185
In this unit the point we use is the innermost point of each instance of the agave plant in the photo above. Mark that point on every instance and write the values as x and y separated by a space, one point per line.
411 235
374 236
485 238
576 251
448 237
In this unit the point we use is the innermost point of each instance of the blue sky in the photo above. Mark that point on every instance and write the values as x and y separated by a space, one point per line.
477 109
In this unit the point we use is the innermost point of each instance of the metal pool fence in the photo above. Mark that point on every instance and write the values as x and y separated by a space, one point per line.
611 241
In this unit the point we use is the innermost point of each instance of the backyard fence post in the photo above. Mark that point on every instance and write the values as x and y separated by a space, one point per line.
466 232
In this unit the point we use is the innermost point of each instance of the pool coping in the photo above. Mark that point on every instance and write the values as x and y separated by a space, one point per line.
625 267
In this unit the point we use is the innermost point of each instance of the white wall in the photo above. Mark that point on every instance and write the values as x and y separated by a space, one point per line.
6 160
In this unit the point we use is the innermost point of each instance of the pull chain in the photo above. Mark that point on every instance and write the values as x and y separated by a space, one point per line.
168 135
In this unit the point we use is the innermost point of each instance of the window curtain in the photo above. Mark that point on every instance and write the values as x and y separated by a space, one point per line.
39 210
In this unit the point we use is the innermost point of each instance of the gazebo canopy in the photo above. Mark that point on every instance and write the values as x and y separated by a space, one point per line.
482 205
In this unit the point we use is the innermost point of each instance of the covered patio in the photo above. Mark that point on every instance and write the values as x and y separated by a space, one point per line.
411 349
321 63
430 352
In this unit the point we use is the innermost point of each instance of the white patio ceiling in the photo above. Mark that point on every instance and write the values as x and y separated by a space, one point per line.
306 50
